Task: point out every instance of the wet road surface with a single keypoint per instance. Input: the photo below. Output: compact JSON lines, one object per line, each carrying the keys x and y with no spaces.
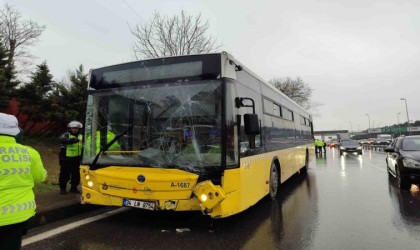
{"x":343,"y":202}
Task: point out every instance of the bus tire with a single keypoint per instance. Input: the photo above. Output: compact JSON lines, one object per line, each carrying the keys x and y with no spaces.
{"x":274,"y":180}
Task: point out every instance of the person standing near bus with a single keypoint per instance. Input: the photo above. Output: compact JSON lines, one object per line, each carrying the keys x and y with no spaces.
{"x":70,"y":156}
{"x":20,"y":169}
{"x":109,"y":137}
{"x":324,"y":145}
{"x":316,"y":146}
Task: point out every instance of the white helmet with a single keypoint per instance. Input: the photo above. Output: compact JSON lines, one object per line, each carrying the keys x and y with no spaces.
{"x":74,"y":124}
{"x":8,"y":124}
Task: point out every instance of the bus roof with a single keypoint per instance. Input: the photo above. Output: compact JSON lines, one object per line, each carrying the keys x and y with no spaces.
{"x":197,"y":67}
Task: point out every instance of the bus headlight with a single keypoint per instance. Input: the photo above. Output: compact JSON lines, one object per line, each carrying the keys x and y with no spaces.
{"x":209,"y":194}
{"x":87,"y":177}
{"x":90,"y":183}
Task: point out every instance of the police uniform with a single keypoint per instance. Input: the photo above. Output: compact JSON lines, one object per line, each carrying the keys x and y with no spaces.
{"x":318,"y":146}
{"x":70,"y":156}
{"x":20,"y":168}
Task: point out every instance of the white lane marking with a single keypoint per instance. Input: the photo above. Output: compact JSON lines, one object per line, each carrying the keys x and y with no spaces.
{"x":381,"y":169}
{"x":70,"y":226}
{"x":372,"y":165}
{"x":369,"y":164}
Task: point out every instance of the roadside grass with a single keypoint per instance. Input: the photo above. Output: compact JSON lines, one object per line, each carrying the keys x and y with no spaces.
{"x":48,"y":148}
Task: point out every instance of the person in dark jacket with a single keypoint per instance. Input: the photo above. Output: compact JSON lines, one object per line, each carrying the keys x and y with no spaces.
{"x":70,"y":156}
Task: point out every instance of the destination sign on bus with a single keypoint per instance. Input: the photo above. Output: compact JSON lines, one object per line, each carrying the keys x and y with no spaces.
{"x":155,"y":72}
{"x":170,"y":69}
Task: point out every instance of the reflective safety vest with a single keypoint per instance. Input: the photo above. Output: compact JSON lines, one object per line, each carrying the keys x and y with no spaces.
{"x":20,"y":168}
{"x":74,"y":149}
{"x":109,"y":137}
{"x":319,"y":143}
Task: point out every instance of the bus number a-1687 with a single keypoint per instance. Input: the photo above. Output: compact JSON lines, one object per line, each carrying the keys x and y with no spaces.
{"x":180,"y":185}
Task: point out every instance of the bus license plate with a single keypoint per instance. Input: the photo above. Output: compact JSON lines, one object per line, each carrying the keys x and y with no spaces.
{"x":139,"y":204}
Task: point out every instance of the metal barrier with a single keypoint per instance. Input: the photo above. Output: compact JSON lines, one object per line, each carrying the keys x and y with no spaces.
{"x":379,"y":148}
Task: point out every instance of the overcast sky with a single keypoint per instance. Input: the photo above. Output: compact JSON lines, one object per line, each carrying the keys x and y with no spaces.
{"x":359,"y":56}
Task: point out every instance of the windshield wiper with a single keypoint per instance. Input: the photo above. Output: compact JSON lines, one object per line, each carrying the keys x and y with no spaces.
{"x":116,"y":138}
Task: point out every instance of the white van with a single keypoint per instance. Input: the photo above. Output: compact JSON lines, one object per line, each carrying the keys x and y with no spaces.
{"x":384,"y":137}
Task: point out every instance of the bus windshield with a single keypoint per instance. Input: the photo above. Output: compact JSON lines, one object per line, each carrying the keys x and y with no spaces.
{"x":171,"y":125}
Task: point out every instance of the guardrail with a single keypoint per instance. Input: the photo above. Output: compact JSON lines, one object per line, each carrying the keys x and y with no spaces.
{"x":380,"y":148}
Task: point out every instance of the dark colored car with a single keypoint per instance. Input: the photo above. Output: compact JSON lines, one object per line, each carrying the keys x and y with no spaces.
{"x":403,"y":160}
{"x":350,"y":146}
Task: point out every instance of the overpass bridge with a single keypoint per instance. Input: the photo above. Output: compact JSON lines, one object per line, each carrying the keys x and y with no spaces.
{"x":328,"y":135}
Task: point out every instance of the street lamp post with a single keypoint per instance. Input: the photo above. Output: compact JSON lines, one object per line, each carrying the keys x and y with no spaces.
{"x":398,"y":119}
{"x":369,"y":123}
{"x":408,"y":119}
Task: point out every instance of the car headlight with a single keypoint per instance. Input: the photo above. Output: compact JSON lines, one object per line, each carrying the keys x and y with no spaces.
{"x":410,"y":163}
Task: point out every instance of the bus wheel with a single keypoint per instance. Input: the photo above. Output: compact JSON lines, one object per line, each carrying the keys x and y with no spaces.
{"x":274,"y":181}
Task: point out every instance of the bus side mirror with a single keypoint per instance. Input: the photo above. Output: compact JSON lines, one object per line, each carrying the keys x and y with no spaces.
{"x":252,"y":126}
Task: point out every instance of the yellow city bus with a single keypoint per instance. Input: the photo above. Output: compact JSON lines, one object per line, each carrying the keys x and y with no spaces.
{"x":189,"y":133}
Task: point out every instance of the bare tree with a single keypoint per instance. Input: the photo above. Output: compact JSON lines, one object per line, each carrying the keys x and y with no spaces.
{"x":17,"y":34}
{"x":297,"y":90}
{"x":170,"y":36}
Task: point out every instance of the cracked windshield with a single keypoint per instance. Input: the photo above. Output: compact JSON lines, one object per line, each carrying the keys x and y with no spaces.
{"x":170,"y":125}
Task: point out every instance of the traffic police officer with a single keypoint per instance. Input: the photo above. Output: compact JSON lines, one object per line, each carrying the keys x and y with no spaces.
{"x":109,"y":137}
{"x":318,"y":146}
{"x":20,"y":168}
{"x":70,"y":155}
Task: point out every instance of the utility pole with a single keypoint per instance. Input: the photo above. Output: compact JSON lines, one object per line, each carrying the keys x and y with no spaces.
{"x":408,"y":119}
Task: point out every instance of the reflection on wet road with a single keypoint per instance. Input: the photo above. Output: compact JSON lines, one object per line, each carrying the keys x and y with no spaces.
{"x":343,"y":202}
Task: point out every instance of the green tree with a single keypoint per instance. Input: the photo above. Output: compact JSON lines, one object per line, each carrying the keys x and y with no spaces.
{"x":297,"y":90}
{"x":70,"y":98}
{"x":8,"y":80}
{"x":34,"y":97}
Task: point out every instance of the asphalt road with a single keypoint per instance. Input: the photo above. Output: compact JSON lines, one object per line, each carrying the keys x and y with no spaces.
{"x":345,"y":202}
